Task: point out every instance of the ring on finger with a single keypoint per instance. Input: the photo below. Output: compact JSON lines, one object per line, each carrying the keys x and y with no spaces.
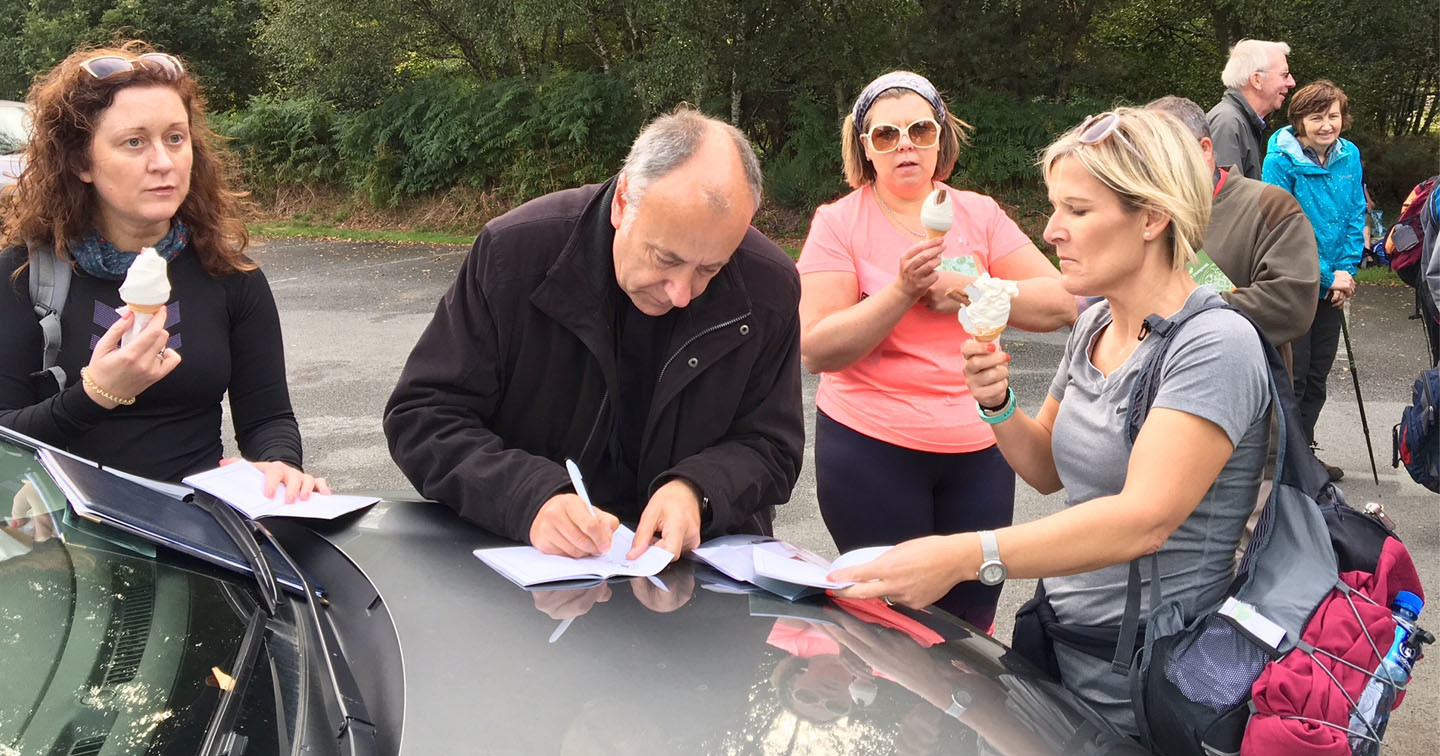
{"x":887,"y":600}
{"x":161,"y":355}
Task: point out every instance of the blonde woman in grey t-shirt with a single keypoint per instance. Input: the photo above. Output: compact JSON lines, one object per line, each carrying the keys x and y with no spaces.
{"x":1131,"y":198}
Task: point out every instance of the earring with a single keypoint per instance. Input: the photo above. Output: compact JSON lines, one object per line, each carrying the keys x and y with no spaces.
{"x":1147,"y":234}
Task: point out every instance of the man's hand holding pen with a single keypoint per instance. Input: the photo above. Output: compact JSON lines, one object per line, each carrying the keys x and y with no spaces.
{"x":567,"y":526}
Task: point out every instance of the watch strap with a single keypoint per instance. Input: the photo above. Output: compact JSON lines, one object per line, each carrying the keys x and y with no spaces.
{"x":989,"y":547}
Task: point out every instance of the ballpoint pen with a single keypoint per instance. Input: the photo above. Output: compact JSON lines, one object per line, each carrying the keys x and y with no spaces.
{"x":579,"y":483}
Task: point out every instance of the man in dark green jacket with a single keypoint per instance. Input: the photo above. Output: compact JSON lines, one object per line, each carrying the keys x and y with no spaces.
{"x":640,"y":327}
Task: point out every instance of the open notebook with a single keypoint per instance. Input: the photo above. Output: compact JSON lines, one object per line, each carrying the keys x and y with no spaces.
{"x":527,"y":565}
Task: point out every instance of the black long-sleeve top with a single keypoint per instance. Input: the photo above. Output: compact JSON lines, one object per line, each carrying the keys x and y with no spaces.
{"x":228,"y":332}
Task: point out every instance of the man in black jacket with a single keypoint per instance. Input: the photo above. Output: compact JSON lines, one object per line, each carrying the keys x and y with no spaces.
{"x":640,"y":327}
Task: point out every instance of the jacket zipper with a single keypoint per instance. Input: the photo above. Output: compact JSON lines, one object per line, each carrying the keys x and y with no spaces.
{"x":692,"y":339}
{"x":604,"y":398}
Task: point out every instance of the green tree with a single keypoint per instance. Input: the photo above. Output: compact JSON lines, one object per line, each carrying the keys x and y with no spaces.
{"x":214,"y":36}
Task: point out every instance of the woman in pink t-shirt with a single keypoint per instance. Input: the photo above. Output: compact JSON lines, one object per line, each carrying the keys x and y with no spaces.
{"x":900,"y":451}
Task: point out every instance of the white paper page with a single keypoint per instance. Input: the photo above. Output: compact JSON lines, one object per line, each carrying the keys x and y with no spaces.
{"x":858,"y":556}
{"x":792,"y":564}
{"x":731,"y":554}
{"x":527,"y":565}
{"x":242,"y":486}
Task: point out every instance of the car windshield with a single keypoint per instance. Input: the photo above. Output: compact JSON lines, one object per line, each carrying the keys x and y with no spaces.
{"x":108,"y":646}
{"x":13,"y":128}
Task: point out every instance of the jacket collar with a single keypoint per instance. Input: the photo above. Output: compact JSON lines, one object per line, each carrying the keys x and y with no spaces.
{"x":579,"y":290}
{"x":1256,"y":122}
{"x":1285,"y":142}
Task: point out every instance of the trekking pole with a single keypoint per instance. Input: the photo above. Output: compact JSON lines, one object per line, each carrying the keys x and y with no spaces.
{"x":1354,"y":376}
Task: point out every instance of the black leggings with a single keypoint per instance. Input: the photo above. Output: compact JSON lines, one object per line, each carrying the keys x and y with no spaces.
{"x":873,"y":493}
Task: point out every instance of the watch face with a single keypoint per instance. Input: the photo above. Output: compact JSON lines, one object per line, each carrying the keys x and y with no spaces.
{"x":992,"y":573}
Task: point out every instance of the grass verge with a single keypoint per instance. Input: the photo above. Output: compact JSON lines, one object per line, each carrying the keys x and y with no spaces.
{"x":315,"y":231}
{"x":1378,"y":275}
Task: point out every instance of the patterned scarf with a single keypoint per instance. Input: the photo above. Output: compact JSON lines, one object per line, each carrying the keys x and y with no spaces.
{"x":101,"y":259}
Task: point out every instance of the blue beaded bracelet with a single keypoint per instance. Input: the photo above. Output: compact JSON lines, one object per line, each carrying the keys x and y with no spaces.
{"x":1003,"y":414}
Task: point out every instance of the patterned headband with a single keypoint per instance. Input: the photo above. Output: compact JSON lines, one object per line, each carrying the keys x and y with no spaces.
{"x":897,"y":80}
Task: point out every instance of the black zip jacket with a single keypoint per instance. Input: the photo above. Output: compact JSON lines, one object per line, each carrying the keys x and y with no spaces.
{"x":516,"y":372}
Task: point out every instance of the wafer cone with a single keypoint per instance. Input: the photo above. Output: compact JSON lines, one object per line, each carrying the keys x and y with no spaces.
{"x":932,"y":234}
{"x":987,"y":335}
{"x":143,"y":313}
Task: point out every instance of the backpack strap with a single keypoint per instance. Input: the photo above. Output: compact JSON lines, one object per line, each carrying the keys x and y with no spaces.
{"x":49,"y":288}
{"x":1125,"y":643}
{"x":1294,"y":464}
{"x":1147,"y":381}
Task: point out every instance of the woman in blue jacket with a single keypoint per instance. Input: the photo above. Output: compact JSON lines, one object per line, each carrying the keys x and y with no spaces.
{"x":1310,"y":160}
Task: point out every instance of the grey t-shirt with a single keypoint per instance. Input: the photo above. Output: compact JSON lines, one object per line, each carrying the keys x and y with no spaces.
{"x":1216,"y":370}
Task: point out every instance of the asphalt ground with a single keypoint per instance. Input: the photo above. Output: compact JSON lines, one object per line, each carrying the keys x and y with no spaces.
{"x":352,"y":311}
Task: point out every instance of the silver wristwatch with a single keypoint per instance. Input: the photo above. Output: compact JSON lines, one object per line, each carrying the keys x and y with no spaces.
{"x":992,"y":570}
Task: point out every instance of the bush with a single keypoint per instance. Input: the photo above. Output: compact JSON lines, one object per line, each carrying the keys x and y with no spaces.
{"x":806,"y":172}
{"x":1394,"y":165}
{"x":1009,"y":136}
{"x":283,"y":141}
{"x":521,"y":137}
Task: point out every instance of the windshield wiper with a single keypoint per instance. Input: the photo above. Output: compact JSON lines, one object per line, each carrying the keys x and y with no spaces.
{"x":220,"y":736}
{"x":354,"y":732}
{"x":242,"y":532}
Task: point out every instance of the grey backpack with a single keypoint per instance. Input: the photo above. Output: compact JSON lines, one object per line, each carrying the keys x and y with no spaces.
{"x":49,"y":286}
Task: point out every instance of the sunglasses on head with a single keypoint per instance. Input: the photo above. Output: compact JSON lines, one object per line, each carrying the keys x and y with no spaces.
{"x":885,"y":137}
{"x":1097,"y":128}
{"x":106,"y":66}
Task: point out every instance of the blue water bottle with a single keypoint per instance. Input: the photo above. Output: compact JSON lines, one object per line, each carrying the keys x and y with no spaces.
{"x":1378,"y":698}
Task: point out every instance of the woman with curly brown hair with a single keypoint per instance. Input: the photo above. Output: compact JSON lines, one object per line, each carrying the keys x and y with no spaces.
{"x":121,"y":159}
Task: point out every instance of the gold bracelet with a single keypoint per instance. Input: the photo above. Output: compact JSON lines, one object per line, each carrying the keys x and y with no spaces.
{"x":93,"y":386}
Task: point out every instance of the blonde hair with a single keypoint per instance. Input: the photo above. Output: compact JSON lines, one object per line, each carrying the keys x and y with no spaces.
{"x":859,"y":171}
{"x":1153,"y":163}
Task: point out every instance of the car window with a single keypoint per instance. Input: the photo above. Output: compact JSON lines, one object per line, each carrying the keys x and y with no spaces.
{"x":14,"y":128}
{"x":109,"y":648}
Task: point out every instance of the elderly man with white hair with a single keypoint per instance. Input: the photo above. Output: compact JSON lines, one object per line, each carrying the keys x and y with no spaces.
{"x":641,"y":328}
{"x":1257,"y":78}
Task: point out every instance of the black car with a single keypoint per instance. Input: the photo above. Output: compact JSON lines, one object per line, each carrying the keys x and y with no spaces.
{"x":401,"y":641}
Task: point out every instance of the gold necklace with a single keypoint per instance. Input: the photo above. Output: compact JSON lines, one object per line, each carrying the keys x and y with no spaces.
{"x":895,"y":219}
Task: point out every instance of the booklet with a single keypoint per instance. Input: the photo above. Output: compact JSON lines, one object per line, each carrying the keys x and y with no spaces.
{"x":793,"y":564}
{"x":526,"y":565}
{"x":782,"y":568}
{"x":242,"y":485}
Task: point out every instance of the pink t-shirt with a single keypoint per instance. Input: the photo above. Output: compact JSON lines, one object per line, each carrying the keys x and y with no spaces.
{"x":910,"y":391}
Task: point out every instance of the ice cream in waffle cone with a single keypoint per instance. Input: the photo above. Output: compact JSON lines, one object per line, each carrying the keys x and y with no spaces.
{"x":937,"y":215}
{"x":988,"y":313}
{"x":146,"y":288}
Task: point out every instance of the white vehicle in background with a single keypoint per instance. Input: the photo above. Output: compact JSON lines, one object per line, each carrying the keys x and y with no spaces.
{"x":14,"y":134}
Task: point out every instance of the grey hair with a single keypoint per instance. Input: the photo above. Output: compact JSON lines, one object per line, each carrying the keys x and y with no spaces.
{"x":1186,"y":111}
{"x":1249,"y":56}
{"x":671,"y":140}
